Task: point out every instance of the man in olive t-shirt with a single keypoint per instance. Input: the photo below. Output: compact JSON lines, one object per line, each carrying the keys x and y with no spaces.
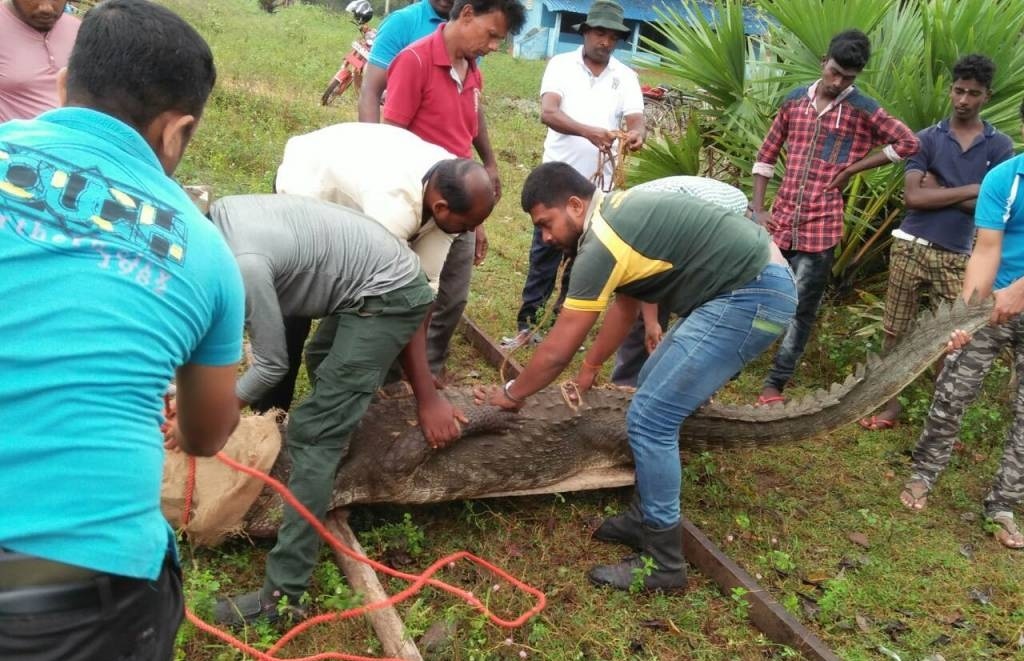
{"x":713,"y":267}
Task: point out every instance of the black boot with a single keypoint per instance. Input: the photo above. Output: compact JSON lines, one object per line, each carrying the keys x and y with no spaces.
{"x":247,"y":609}
{"x":658,"y":567}
{"x":624,"y":528}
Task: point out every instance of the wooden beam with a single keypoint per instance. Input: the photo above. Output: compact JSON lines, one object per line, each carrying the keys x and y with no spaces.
{"x":490,"y":351}
{"x":765,"y":612}
{"x":385,"y":621}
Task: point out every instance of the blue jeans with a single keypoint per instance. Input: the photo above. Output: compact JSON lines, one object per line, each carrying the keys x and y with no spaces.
{"x":540,"y":281}
{"x":812,"y":270}
{"x":696,"y":357}
{"x":632,"y":353}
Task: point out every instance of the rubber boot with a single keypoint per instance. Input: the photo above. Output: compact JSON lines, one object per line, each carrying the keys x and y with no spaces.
{"x":664,"y":548}
{"x":623,"y":528}
{"x":247,"y":609}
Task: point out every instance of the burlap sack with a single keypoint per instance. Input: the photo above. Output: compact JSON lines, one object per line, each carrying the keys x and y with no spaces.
{"x":222,"y":495}
{"x":201,"y":196}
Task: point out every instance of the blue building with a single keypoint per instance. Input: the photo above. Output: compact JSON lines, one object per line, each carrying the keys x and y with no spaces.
{"x":549,"y":25}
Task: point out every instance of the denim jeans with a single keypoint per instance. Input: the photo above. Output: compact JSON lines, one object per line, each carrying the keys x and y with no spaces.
{"x":540,"y":281}
{"x":632,"y":353}
{"x":812,"y":271}
{"x":696,"y":357}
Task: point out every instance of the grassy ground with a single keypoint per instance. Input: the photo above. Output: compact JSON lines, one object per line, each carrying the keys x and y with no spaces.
{"x":915,"y":585}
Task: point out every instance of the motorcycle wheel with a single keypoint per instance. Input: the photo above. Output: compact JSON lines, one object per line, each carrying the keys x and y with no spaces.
{"x":336,"y":88}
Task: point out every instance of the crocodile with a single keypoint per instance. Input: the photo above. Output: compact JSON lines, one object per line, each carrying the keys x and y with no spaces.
{"x":550,"y":446}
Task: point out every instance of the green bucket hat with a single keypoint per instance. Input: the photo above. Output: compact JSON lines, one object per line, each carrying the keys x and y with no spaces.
{"x":605,"y":14}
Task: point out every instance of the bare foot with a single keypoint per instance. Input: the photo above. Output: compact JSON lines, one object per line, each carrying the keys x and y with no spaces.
{"x":915,"y":495}
{"x":1009,"y":535}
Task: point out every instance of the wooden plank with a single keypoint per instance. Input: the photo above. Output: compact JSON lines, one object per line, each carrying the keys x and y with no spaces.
{"x":490,"y":351}
{"x":593,"y":478}
{"x":385,"y":621}
{"x":765,"y":612}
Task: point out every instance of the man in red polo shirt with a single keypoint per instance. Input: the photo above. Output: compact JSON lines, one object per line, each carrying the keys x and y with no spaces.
{"x":434,"y":89}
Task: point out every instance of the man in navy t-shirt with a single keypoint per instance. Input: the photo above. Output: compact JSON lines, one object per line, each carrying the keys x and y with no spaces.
{"x":112,"y":284}
{"x":931,"y":246}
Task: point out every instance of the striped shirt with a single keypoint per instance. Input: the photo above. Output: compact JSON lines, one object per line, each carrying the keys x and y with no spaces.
{"x":702,"y":188}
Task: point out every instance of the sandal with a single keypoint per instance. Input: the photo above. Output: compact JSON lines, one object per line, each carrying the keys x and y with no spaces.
{"x":770,"y":399}
{"x":874,"y":423}
{"x":1008,"y":534}
{"x":915,"y":495}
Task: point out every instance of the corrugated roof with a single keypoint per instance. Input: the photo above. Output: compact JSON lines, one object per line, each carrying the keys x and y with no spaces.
{"x":647,"y":10}
{"x":636,"y":10}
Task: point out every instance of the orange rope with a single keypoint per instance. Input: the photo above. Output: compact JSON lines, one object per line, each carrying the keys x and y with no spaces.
{"x":418,"y":581}
{"x":190,"y":480}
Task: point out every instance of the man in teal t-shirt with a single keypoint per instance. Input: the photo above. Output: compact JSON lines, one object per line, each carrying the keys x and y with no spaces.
{"x":996,"y":267}
{"x":112,"y":284}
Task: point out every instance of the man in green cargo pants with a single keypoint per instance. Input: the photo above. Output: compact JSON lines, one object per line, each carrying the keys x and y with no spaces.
{"x":301,"y":257}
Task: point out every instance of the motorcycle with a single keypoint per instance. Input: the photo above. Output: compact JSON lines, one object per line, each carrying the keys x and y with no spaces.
{"x":352,"y":66}
{"x":79,"y":7}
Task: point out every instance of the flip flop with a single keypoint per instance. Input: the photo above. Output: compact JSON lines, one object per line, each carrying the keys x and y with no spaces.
{"x":1009,"y":535}
{"x":917,"y":495}
{"x":874,"y":423}
{"x":771,"y":399}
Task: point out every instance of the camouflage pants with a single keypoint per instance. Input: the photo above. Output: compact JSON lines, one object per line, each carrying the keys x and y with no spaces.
{"x":958,"y":386}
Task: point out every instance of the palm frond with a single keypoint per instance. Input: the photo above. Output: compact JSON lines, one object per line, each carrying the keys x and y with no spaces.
{"x":710,"y":54}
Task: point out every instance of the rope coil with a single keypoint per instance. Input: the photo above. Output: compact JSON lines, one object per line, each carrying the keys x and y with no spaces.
{"x":617,"y":161}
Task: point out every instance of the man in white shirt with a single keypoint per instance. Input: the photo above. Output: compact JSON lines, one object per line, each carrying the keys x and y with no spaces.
{"x":585,"y":95}
{"x":418,"y":191}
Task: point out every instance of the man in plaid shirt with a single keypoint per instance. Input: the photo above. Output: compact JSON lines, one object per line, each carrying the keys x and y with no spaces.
{"x":828,"y":129}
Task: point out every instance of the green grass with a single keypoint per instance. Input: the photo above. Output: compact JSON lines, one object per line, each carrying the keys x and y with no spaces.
{"x":783,"y":513}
